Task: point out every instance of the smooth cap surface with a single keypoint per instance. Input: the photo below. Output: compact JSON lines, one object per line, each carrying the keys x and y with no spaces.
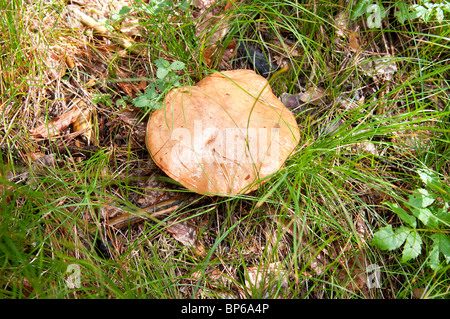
{"x":221,"y":136}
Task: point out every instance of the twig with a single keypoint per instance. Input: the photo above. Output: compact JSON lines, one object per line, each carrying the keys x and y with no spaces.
{"x":103,"y":31}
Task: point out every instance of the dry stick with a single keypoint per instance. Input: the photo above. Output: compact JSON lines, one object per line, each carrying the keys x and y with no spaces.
{"x":103,"y":31}
{"x":149,"y":212}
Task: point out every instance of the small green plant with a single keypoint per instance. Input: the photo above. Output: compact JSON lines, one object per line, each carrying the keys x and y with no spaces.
{"x":374,"y":10}
{"x":102,"y":98}
{"x":166,"y":79}
{"x":434,"y":219}
{"x":116,"y":18}
{"x":425,"y":10}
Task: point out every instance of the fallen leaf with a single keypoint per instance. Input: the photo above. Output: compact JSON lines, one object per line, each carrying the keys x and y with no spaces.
{"x":361,"y":227}
{"x":84,"y":123}
{"x":314,"y":95}
{"x":183,"y":232}
{"x":69,"y":62}
{"x":366,"y":147}
{"x":108,"y":212}
{"x":353,"y":274}
{"x":229,"y":52}
{"x":58,"y":124}
{"x":297,"y":102}
{"x":263,"y":275}
{"x":211,"y":27}
{"x":378,"y":68}
{"x":204,"y":4}
{"x":354,"y":42}
{"x":55,"y":66}
{"x":187,"y":235}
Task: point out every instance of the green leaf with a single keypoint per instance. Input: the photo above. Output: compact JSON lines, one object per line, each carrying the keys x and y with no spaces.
{"x":184,"y":6}
{"x":410,"y":220}
{"x":121,"y":102}
{"x":162,"y":64}
{"x":442,"y":241}
{"x":421,"y":199}
{"x":177,"y":66}
{"x":425,"y":216}
{"x":433,"y":260}
{"x":419,"y":11}
{"x":439,"y":15}
{"x":150,"y":92}
{"x":402,"y":12}
{"x":385,"y":238}
{"x":430,"y":179}
{"x":141,"y":101}
{"x":124,"y":10}
{"x":161,"y":73}
{"x":153,"y":105}
{"x":360,"y":8}
{"x":413,"y":246}
{"x":443,"y":214}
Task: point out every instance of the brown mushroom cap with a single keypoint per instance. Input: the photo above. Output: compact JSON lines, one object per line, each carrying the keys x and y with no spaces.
{"x":222,"y":135}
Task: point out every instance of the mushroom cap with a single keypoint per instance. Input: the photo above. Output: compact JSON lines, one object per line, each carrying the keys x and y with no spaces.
{"x":223,"y":135}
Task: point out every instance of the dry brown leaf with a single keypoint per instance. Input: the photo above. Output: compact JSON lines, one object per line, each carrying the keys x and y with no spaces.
{"x":366,"y":147}
{"x":354,"y":42}
{"x":204,"y":4}
{"x":211,"y":27}
{"x":55,"y":66}
{"x":83,"y":124}
{"x":314,"y":95}
{"x":361,"y":227}
{"x":286,"y":48}
{"x":131,"y":28}
{"x":58,"y":124}
{"x":379,"y":68}
{"x":108,"y":212}
{"x":183,"y":232}
{"x":262,"y":275}
{"x":229,"y":52}
{"x":210,"y":22}
{"x":187,"y":235}
{"x":353,"y":274}
{"x":69,"y":62}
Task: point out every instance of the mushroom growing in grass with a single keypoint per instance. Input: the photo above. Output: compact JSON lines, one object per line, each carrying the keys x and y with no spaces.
{"x":224,"y":135}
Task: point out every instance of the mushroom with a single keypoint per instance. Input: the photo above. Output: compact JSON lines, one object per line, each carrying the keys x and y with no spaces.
{"x":223,"y":135}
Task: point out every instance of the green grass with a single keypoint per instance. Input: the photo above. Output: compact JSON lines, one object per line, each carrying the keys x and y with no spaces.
{"x":315,"y":217}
